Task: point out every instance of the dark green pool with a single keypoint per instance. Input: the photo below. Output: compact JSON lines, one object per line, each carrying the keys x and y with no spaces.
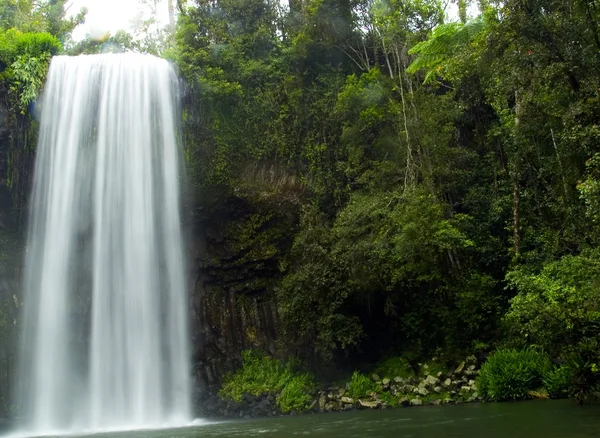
{"x":547,"y":419}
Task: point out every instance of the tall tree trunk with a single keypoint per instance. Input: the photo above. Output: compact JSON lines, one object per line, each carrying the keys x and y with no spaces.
{"x":409,"y":176}
{"x":515,"y":177}
{"x":462,"y":11}
{"x":171,"y":17}
{"x":516,"y":219}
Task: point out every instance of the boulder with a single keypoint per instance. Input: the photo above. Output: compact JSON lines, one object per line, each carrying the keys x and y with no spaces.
{"x":422,"y":391}
{"x":437,"y":389}
{"x":322,"y":402}
{"x":447,"y":382}
{"x":369,"y":404}
{"x":460,"y":368}
{"x":431,"y":381}
{"x":416,"y":402}
{"x":404,"y":401}
{"x":249,"y":398}
{"x":386,"y":382}
{"x":398,"y":380}
{"x":375,"y":378}
{"x":471,"y":360}
{"x":347,"y":400}
{"x":213,"y":403}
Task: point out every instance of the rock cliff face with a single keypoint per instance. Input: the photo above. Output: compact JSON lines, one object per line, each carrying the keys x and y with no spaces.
{"x":236,"y":253}
{"x":16,"y":163}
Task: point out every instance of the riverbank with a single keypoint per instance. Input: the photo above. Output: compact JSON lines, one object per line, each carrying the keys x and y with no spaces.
{"x":359,"y":393}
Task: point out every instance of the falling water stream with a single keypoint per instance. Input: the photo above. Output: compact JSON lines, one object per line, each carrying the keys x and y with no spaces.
{"x":104,"y":335}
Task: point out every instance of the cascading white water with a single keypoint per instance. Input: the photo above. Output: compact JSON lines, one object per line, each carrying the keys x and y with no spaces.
{"x":105,"y":331}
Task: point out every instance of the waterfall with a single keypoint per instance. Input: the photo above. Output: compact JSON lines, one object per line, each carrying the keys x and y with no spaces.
{"x":104,"y":327}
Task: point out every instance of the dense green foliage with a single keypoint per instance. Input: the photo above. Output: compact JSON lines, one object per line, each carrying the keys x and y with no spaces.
{"x":415,"y":212}
{"x":511,"y":374}
{"x":260,"y":374}
{"x":413,"y":187}
{"x":558,"y":381}
{"x":360,"y":385}
{"x":557,"y":307}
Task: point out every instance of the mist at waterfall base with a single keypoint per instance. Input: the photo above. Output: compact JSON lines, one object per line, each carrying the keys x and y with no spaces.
{"x":104,"y":326}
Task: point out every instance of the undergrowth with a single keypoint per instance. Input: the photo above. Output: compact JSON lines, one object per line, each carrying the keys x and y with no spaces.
{"x":511,"y":374}
{"x":360,"y":385}
{"x":261,"y":374}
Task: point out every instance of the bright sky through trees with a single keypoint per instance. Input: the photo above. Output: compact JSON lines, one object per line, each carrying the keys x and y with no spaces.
{"x":111,"y":15}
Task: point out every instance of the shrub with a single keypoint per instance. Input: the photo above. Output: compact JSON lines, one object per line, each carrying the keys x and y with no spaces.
{"x":258,"y":374}
{"x":511,"y":374}
{"x":295,"y":394}
{"x":558,"y":381}
{"x":391,"y":400}
{"x":584,"y":362}
{"x":360,"y":385}
{"x":261,"y":374}
{"x":558,"y":306}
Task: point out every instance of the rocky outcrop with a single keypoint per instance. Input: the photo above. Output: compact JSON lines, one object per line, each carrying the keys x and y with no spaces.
{"x":235,"y":251}
{"x":456,"y":387}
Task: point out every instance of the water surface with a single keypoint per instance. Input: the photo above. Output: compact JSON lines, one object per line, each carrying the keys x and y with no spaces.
{"x":548,"y":419}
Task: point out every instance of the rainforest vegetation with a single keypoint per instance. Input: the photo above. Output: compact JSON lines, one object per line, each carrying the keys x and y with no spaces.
{"x":393,"y":183}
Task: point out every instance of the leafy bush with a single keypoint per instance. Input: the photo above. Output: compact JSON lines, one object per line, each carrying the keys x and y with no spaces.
{"x":584,"y":363}
{"x":511,"y":374}
{"x":24,"y":60}
{"x":261,"y":374}
{"x":360,"y":385}
{"x":558,"y":381}
{"x":391,"y":400}
{"x":556,"y":308}
{"x":295,"y":394}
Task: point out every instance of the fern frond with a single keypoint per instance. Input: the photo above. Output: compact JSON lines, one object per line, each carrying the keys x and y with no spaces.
{"x":441,"y":44}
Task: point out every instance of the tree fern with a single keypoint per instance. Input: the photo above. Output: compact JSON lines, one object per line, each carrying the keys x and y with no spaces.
{"x":442,"y":44}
